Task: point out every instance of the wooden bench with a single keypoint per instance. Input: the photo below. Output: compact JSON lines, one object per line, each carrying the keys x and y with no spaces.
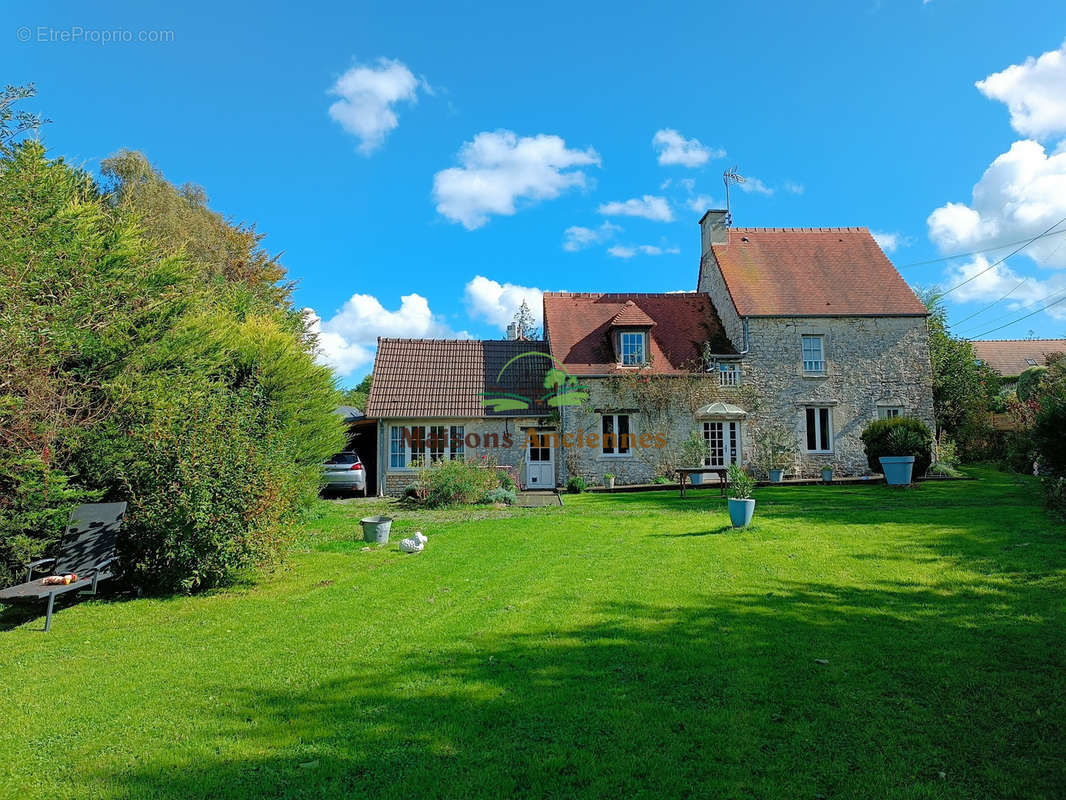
{"x":722,"y":473}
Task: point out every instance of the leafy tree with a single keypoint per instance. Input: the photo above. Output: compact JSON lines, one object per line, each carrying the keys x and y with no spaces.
{"x":360,"y":394}
{"x":963,"y":389}
{"x":525,"y":323}
{"x":14,"y":122}
{"x":1030,"y":382}
{"x":152,"y":355}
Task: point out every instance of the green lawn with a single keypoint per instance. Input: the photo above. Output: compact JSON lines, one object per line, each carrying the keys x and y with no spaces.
{"x":856,"y":642}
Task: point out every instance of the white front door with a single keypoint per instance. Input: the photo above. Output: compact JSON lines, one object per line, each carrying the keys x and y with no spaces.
{"x":540,"y":462}
{"x":723,"y":443}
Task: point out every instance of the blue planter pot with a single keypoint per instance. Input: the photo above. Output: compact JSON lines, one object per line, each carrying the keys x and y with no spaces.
{"x":740,"y":512}
{"x":776,"y":475}
{"x":897,"y":469}
{"x":695,"y":478}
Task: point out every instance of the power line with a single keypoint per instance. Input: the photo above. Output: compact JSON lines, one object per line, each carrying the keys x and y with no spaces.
{"x":1031,"y":313}
{"x":994,"y":302}
{"x":1043,"y":299}
{"x":997,"y":263}
{"x":972,"y":253}
{"x":1013,"y":289}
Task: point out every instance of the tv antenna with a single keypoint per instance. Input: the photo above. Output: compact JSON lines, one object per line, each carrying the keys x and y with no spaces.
{"x":730,"y":176}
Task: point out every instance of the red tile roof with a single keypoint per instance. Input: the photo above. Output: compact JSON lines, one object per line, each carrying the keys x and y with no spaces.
{"x":578,"y":326}
{"x":812,"y":272}
{"x":632,"y":316}
{"x":445,"y":377}
{"x":1010,"y":357}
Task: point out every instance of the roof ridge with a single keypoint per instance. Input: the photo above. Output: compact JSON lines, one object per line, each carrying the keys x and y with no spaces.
{"x":619,"y":295}
{"x":1018,"y":341}
{"x":843,"y":229}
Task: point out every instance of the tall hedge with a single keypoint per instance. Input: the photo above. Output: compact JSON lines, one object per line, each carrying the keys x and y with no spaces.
{"x":142,"y":366}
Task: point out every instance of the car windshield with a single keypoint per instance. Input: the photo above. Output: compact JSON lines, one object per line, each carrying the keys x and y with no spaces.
{"x":344,"y":458}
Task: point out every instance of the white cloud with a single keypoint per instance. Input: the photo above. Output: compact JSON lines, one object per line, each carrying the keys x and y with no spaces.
{"x":498,"y":169}
{"x":700,"y":203}
{"x":794,"y":188}
{"x":889,"y":241}
{"x":347,"y":340}
{"x":497,"y":302}
{"x":367,"y":97}
{"x":1022,"y":193}
{"x":673,"y":148}
{"x":755,"y":186}
{"x":649,"y":206}
{"x":629,"y":251}
{"x":577,"y":237}
{"x":1035,"y":93}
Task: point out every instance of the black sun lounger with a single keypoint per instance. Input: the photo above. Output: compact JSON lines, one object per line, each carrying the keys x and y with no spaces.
{"x":88,"y":550}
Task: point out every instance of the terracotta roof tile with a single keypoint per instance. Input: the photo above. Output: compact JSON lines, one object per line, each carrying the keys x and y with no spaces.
{"x":812,"y":272}
{"x":1010,"y":357}
{"x":632,"y":316}
{"x":445,"y":377}
{"x":578,"y":328}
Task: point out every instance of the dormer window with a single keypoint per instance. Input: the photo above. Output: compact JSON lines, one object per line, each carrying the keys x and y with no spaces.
{"x":633,"y":348}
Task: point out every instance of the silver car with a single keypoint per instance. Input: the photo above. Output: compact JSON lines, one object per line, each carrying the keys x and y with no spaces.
{"x":345,"y":472}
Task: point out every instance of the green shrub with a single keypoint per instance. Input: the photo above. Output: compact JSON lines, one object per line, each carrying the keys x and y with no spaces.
{"x":414,"y":491}
{"x":1049,"y":434}
{"x":899,"y":436}
{"x":661,"y":479}
{"x":575,"y":484}
{"x":1031,"y":382}
{"x":449,"y":483}
{"x":506,"y":481}
{"x":501,"y":495}
{"x":741,"y":484}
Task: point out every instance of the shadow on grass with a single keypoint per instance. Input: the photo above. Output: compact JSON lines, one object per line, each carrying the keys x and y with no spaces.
{"x":712,"y":532}
{"x":892,"y":690}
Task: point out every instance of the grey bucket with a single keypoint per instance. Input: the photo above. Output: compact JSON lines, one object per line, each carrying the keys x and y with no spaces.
{"x":376,"y":529}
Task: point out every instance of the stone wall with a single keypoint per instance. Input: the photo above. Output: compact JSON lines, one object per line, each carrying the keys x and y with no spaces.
{"x":870,"y":362}
{"x":642,"y":464}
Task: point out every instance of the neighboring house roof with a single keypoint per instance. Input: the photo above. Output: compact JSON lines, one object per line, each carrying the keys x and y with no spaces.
{"x":773,"y":272}
{"x":1010,"y":357}
{"x":446,"y":377}
{"x":350,"y":413}
{"x":578,"y":327}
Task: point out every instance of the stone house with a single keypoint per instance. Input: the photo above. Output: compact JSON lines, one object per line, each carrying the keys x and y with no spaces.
{"x":809,"y":331}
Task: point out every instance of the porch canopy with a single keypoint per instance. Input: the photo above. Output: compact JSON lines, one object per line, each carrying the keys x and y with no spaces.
{"x":721,"y":411}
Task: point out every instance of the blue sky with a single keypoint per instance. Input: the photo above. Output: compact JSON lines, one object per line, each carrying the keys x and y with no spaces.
{"x":412,"y":160}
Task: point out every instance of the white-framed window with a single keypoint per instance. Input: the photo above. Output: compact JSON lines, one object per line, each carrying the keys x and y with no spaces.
{"x":1031,"y":362}
{"x":729,"y":374}
{"x":397,"y":449}
{"x":813,"y":353}
{"x":457,"y":442}
{"x":888,"y":412}
{"x":616,"y":438}
{"x":632,"y":347}
{"x":819,"y":425}
{"x":723,"y":443}
{"x":412,"y":446}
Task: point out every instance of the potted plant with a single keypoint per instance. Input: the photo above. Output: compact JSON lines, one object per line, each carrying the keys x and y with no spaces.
{"x":608,"y":480}
{"x":694,"y":454}
{"x":901,"y":447}
{"x":827,"y":474}
{"x":775,"y":450}
{"x":898,"y":464}
{"x":741,"y":503}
